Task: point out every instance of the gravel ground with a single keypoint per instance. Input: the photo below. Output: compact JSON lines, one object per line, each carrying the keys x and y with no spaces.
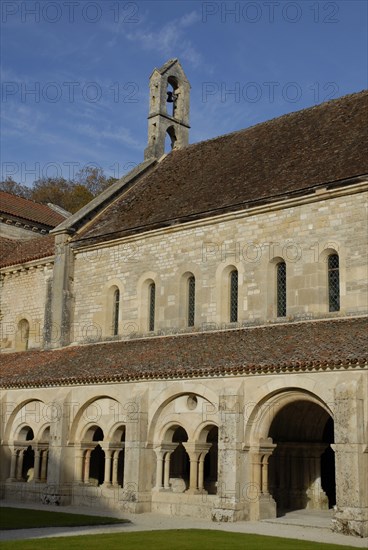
{"x":304,"y":525}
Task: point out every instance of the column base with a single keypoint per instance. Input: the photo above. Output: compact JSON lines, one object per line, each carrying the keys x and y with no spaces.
{"x":267,"y":507}
{"x":351,"y":521}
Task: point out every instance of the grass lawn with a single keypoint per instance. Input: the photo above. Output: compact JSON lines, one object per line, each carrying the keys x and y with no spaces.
{"x":24,"y":518}
{"x":189,"y":539}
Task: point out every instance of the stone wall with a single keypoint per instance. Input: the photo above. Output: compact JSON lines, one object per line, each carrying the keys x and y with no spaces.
{"x":24,"y":297}
{"x":301,"y":235}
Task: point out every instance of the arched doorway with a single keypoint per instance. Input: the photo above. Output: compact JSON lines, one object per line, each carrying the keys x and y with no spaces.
{"x":302,"y":466}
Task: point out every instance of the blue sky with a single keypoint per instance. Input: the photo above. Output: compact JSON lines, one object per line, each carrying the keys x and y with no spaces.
{"x":75,"y":73}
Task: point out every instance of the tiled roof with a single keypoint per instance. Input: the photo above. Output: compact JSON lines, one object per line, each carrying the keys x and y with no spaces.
{"x":31,"y":211}
{"x":289,"y":347}
{"x":14,"y":252}
{"x":273,"y":160}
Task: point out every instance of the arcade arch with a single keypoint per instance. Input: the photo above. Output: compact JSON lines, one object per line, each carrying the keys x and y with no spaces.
{"x":100,"y":455}
{"x":292,"y":459}
{"x":186,"y":452}
{"x":28,"y":443}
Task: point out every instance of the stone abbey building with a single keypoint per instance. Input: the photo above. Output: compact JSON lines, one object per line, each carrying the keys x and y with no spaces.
{"x":194,"y":340}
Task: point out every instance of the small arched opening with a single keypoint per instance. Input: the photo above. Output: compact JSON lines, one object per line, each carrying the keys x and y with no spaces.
{"x":96,"y":455}
{"x":170,"y":139}
{"x":179,"y":462}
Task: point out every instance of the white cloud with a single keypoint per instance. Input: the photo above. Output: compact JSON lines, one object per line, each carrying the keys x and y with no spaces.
{"x":170,"y":39}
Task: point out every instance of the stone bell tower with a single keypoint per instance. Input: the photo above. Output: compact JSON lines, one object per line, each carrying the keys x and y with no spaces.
{"x":169,"y":109}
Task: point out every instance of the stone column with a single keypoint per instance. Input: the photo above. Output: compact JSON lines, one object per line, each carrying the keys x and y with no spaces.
{"x":13,"y":465}
{"x":86,"y":465}
{"x":167,"y":470}
{"x":267,"y":505}
{"x":79,"y":466}
{"x":193,"y":467}
{"x":20,"y":464}
{"x":159,"y":468}
{"x":265,"y":460}
{"x":257,"y":473}
{"x":195,"y":450}
{"x":107,"y":474}
{"x":115,"y":464}
{"x":201,"y":470}
{"x":36,"y":467}
{"x":44,"y":463}
{"x":163,"y":453}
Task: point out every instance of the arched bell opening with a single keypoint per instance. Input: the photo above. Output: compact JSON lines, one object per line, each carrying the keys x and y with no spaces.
{"x":301,"y":467}
{"x":170,"y":139}
{"x":172,"y":96}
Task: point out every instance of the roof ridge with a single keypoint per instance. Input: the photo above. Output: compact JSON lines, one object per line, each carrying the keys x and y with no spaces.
{"x":273,"y":120}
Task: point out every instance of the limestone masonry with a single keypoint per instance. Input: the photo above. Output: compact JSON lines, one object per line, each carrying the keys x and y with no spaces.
{"x":194,"y":340}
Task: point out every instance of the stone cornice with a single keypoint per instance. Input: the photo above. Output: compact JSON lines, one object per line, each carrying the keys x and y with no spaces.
{"x":182,"y":374}
{"x":48,"y":261}
{"x":320,"y":194}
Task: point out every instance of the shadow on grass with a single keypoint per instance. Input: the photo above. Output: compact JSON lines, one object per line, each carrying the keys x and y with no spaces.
{"x":24,"y":518}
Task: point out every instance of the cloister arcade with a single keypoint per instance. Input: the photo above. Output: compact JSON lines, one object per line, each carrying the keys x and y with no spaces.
{"x":188,"y":446}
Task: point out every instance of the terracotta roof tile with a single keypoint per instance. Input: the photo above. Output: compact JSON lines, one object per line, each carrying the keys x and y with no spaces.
{"x":26,"y":209}
{"x":287,"y":155}
{"x":14,"y":252}
{"x":328,"y":344}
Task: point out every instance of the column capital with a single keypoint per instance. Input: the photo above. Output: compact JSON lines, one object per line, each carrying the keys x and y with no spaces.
{"x":164,"y":448}
{"x":196,"y":448}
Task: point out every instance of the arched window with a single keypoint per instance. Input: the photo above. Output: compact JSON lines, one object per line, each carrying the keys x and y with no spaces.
{"x":234,"y":296}
{"x":115,"y":312}
{"x":191,"y":301}
{"x":151,"y":306}
{"x":333,"y":282}
{"x":281,"y":289}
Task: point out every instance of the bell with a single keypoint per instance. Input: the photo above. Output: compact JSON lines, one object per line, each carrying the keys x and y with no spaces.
{"x":170,"y":97}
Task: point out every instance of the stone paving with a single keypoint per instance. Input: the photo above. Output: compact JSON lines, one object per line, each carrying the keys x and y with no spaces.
{"x":304,"y":525}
